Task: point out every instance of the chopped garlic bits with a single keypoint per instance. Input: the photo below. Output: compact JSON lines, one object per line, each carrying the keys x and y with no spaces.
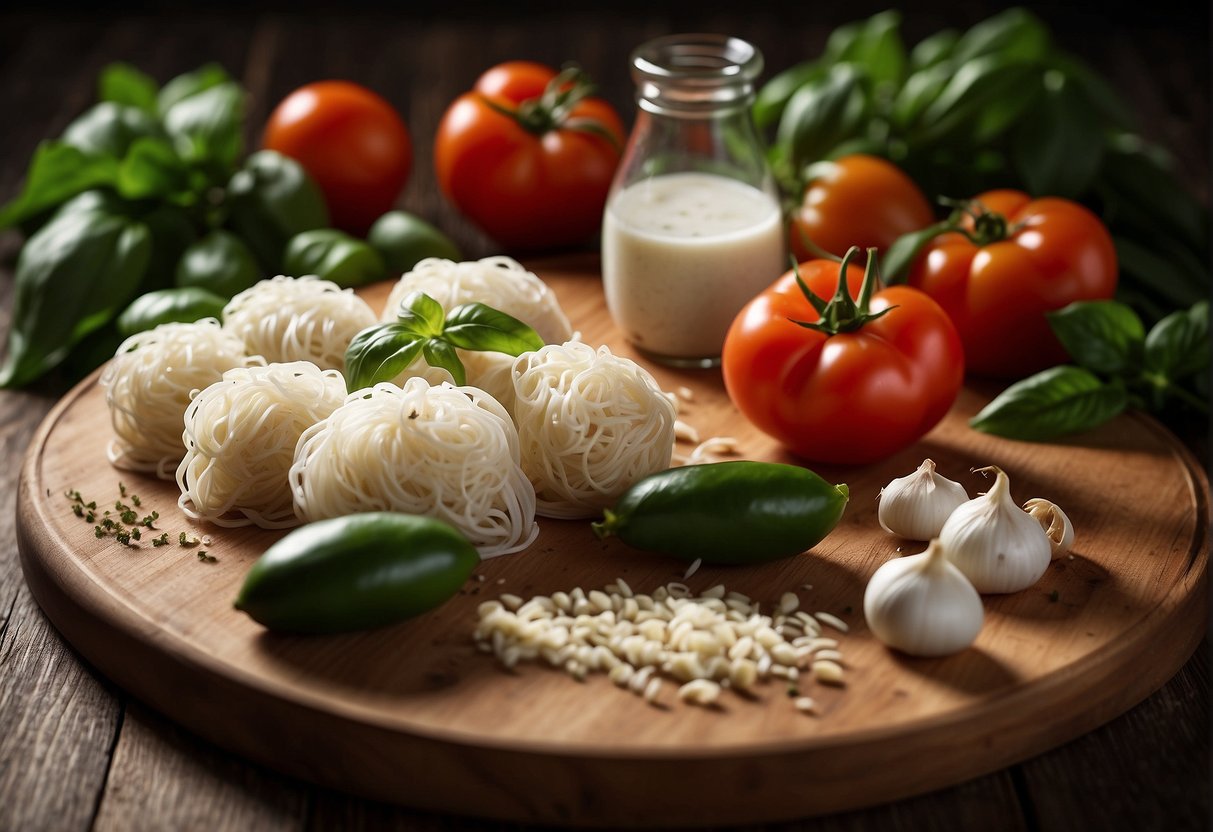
{"x":705,"y":643}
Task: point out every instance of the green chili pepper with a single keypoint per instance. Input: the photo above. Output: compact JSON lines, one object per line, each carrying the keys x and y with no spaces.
{"x":404,"y":240}
{"x":72,"y":277}
{"x":270,"y":201}
{"x":220,"y":263}
{"x":333,"y":255}
{"x":727,"y":512}
{"x":356,"y":572}
{"x":191,"y":303}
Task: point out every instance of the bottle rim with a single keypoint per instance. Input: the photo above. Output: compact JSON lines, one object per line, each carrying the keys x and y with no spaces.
{"x":699,"y":59}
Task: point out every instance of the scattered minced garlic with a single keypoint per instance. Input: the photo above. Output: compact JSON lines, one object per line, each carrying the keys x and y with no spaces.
{"x":715,"y":640}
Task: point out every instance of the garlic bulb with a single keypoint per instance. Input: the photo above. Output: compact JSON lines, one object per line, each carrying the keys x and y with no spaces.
{"x":1053,"y":520}
{"x":916,"y":506}
{"x":998,"y":546}
{"x":923,"y":605}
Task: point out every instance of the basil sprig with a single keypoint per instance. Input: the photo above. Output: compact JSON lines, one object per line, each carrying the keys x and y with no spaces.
{"x":1119,"y":365}
{"x":995,"y":106}
{"x":422,"y":328}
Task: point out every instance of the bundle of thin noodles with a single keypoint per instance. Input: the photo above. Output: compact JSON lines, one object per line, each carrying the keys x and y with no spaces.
{"x":590,"y":425}
{"x":148,"y":386}
{"x":443,"y":451}
{"x":240,"y":437}
{"x":298,"y":319}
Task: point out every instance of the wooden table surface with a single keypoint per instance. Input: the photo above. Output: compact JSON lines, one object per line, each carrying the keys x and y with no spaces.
{"x":77,"y":753}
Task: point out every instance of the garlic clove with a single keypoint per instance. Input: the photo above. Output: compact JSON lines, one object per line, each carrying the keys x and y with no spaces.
{"x":1056,"y":524}
{"x":923,"y":605}
{"x":999,"y":547}
{"x":917,"y":505}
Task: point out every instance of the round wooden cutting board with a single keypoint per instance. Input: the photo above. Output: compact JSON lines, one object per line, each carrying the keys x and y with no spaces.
{"x":414,"y":714}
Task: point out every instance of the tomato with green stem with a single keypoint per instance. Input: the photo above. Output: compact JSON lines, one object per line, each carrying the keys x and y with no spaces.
{"x":850,"y":380}
{"x":528,"y":155}
{"x":857,"y":200}
{"x":1000,"y":262}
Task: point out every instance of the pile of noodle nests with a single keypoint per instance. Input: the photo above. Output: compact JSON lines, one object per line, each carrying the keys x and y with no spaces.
{"x":253,"y":416}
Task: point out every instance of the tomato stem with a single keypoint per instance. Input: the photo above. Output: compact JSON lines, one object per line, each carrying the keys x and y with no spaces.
{"x":842,"y":313}
{"x":551,"y":110}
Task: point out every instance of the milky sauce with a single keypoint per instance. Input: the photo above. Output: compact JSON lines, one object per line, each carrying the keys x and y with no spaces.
{"x":681,"y":254}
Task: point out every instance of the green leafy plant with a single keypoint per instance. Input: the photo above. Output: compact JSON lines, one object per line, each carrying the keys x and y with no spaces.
{"x":422,"y":329}
{"x":1117,"y":365}
{"x":999,"y":105}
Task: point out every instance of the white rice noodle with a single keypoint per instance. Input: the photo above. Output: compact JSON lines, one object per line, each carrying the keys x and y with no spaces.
{"x":499,"y":282}
{"x":446,"y":452}
{"x":148,"y":386}
{"x":298,"y":319}
{"x":590,"y":425}
{"x":240,"y":437}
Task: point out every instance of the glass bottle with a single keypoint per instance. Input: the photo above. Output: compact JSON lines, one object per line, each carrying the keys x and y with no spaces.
{"x":692,"y":228}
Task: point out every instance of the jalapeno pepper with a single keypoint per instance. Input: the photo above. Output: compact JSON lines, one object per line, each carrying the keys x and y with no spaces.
{"x":356,"y":572}
{"x":727,"y":512}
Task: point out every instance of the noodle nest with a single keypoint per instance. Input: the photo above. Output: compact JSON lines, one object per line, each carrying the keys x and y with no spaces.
{"x":499,"y":282}
{"x":240,"y":437}
{"x":298,"y":319}
{"x":590,"y":425}
{"x":148,"y":386}
{"x":446,"y":452}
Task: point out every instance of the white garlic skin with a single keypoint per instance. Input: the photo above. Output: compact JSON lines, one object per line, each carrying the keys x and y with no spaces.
{"x":917,"y":505}
{"x":1054,"y":521}
{"x":923,"y":605}
{"x":999,"y":547}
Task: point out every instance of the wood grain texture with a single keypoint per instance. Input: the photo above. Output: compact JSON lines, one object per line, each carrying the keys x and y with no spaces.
{"x":350,"y":712}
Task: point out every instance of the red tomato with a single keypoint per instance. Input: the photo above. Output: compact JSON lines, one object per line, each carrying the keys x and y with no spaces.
{"x":853,"y":397}
{"x":351,"y":142}
{"x":1032,"y":256}
{"x":531,"y":172}
{"x":860,"y":201}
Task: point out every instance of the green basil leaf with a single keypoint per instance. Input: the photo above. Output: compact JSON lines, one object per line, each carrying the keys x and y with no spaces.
{"x":822,"y":114}
{"x":934,"y":49}
{"x":1059,"y":149}
{"x":219,"y":263}
{"x":1102,"y":335}
{"x":421,"y":314}
{"x":109,"y":129}
{"x":877,"y":49}
{"x":206,"y":127}
{"x":1148,"y":196}
{"x":774,"y":95}
{"x":190,"y":83}
{"x":1054,"y":402}
{"x":71,"y":278}
{"x":905,"y":249}
{"x":151,"y":170}
{"x":380,"y":353}
{"x":474,"y":326}
{"x":1015,"y":34}
{"x":992,"y":83}
{"x":172,"y":233}
{"x":333,"y":255}
{"x":269,"y":201}
{"x":1159,"y":276}
{"x":1110,"y":107}
{"x":1178,"y":345}
{"x":57,"y":173}
{"x":123,"y":84}
{"x":919,"y":91}
{"x":169,"y":306}
{"x":441,"y":354}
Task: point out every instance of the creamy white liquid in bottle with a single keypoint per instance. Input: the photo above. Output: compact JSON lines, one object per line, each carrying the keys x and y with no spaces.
{"x":681,"y":254}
